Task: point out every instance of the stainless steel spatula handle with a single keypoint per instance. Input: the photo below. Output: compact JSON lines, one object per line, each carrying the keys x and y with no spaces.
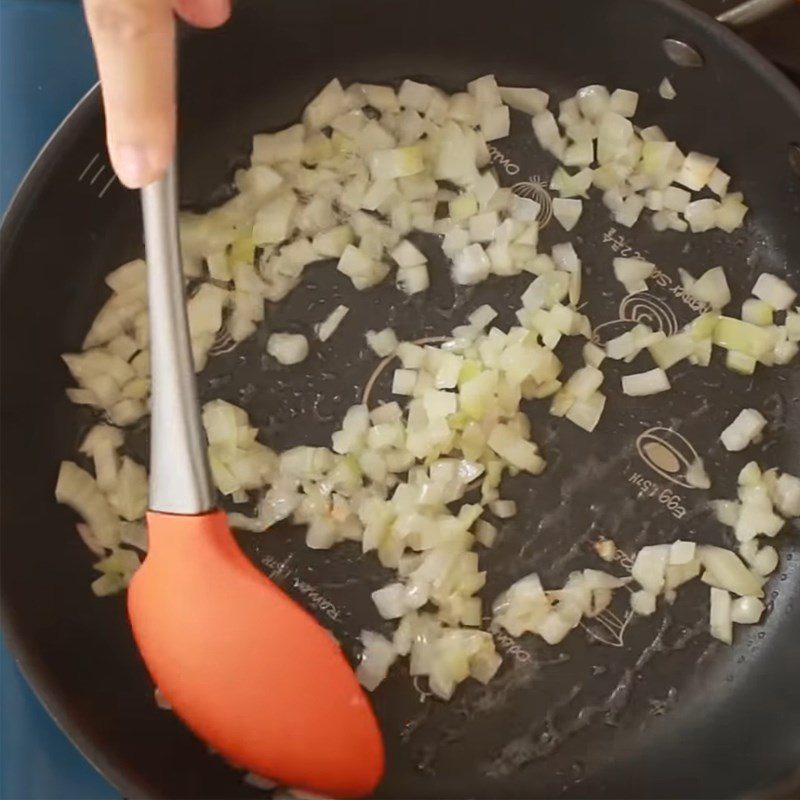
{"x":179,"y":479}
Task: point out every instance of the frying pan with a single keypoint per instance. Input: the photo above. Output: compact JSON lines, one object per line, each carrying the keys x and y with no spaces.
{"x":644,"y":708}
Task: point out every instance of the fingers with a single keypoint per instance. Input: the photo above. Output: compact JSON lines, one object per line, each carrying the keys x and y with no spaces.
{"x":134,"y":46}
{"x":203,"y":13}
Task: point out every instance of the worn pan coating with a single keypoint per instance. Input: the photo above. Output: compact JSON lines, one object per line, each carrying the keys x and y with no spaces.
{"x":655,"y":710}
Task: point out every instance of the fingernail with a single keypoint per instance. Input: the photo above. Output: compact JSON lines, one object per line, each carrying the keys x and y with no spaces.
{"x":132,"y":164}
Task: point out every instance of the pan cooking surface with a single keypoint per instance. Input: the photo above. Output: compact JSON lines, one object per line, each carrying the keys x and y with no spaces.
{"x":620,"y":676}
{"x":651,"y":706}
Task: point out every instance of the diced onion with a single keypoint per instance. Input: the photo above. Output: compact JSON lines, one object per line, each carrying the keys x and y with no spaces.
{"x":633,"y":273}
{"x":288,"y":348}
{"x":382,"y":343}
{"x":567,"y":211}
{"x":720,"y":617}
{"x":746,"y":610}
{"x":644,"y":383}
{"x":643,"y":603}
{"x":404,"y":381}
{"x":376,"y":659}
{"x":666,"y":90}
{"x":361,"y":179}
{"x":774,"y":291}
{"x":328,"y":326}
{"x":531,"y":101}
{"x":650,"y":567}
{"x":747,"y":426}
{"x":696,"y":171}
{"x":726,"y":570}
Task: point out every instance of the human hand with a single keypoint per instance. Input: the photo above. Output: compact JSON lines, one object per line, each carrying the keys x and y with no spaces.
{"x":134,"y":43}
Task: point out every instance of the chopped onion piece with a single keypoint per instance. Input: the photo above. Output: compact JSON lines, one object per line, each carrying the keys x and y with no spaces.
{"x":392,"y":601}
{"x":382,"y":343}
{"x":643,"y":603}
{"x":730,"y":213}
{"x":485,"y":91}
{"x":404,"y":381}
{"x":669,"y":351}
{"x":697,"y":476}
{"x":485,"y":533}
{"x":696,"y":171}
{"x":503,"y":509}
{"x":328,"y":326}
{"x":725,"y":570}
{"x":726,"y":511}
{"x":733,"y":334}
{"x":718,"y":182}
{"x":399,"y":162}
{"x":415,"y":95}
{"x":406,"y":255}
{"x":746,"y":428}
{"x":774,"y":291}
{"x":624,"y":102}
{"x":332,"y":243}
{"x":746,"y":610}
{"x":681,"y":552}
{"x":711,"y":287}
{"x":675,"y":199}
{"x":740,"y":362}
{"x":412,"y":280}
{"x":666,"y":89}
{"x":622,"y":346}
{"x":495,"y":123}
{"x":101,"y":444}
{"x":516,"y":450}
{"x":630,"y":210}
{"x":547,"y":133}
{"x":633,"y":273}
{"x":378,"y":656}
{"x":786,"y":495}
{"x":594,"y":101}
{"x":720,"y":616}
{"x":362,"y":270}
{"x":530,"y":101}
{"x":471,"y":265}
{"x":579,"y":154}
{"x":288,"y":348}
{"x":586,"y":412}
{"x":765,"y":562}
{"x":567,"y":211}
{"x":593,"y":355}
{"x":701,"y":215}
{"x":644,"y":383}
{"x":77,"y":489}
{"x":650,"y":566}
{"x":757,"y":312}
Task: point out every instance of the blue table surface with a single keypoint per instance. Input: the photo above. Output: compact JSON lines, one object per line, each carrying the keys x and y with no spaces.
{"x":46,"y":65}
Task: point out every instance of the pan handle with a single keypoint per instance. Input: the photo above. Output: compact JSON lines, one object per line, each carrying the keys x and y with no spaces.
{"x":751,"y":11}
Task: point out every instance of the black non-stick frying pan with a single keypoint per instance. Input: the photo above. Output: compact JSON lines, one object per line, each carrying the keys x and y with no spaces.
{"x":652,"y":709}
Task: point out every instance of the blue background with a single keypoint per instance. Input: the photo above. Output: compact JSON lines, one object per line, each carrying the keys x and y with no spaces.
{"x":46,"y":65}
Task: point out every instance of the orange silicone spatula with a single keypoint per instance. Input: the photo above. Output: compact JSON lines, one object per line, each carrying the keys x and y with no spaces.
{"x":244,"y":666}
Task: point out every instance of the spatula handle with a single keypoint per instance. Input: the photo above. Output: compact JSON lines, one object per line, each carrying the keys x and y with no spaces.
{"x":179,"y":478}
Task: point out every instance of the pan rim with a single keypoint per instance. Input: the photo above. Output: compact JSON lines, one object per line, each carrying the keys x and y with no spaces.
{"x":24,"y":198}
{"x":21,"y":649}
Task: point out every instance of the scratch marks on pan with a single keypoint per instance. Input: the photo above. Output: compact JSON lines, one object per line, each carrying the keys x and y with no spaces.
{"x":88,"y":167}
{"x":565,"y":718}
{"x":94,"y":170}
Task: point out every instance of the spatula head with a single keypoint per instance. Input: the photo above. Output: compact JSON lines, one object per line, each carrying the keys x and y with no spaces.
{"x":245,"y":667}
